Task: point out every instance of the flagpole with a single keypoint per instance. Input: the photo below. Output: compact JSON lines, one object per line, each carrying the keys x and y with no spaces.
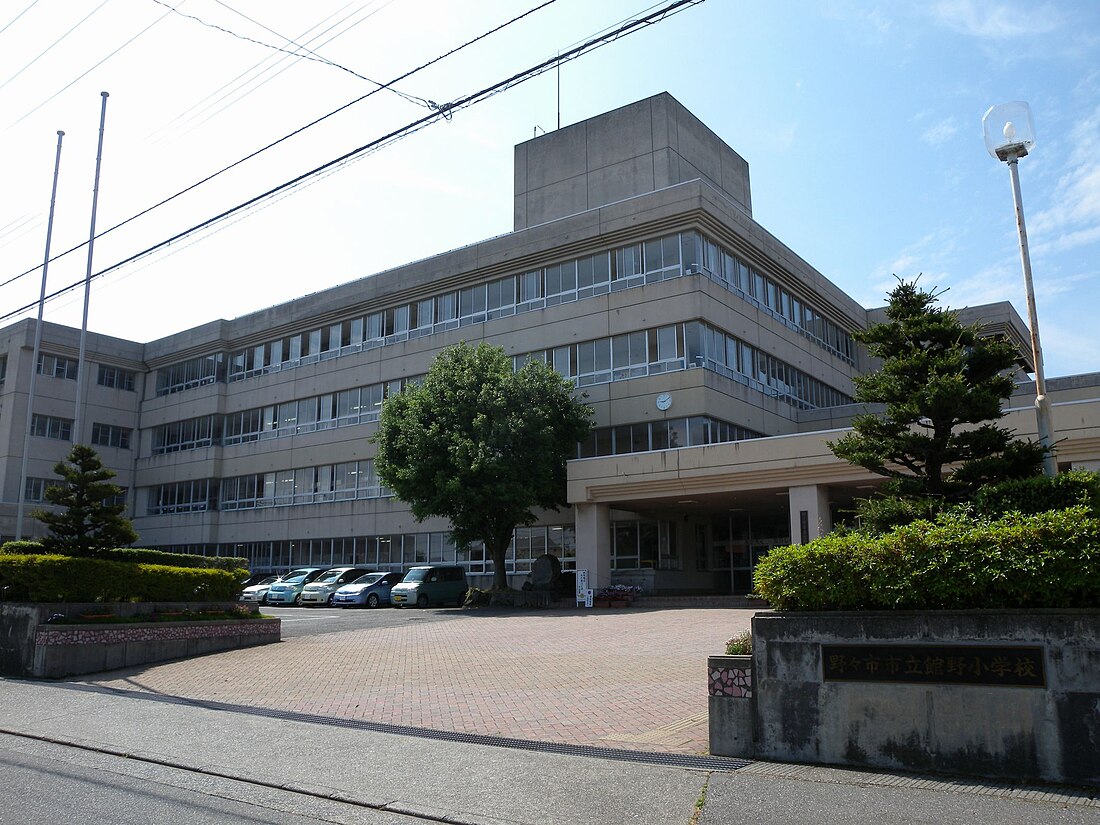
{"x":37,"y":347}
{"x":78,"y":433}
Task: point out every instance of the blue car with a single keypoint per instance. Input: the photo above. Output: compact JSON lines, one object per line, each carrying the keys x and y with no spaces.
{"x":370,"y":590}
{"x":288,"y":590}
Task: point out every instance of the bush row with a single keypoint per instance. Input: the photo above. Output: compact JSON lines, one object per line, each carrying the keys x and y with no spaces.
{"x":44,"y":578}
{"x":1047,"y":560}
{"x":136,"y":555}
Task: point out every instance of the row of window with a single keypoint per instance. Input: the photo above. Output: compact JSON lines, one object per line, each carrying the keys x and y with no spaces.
{"x":357,"y":405}
{"x":617,"y":358}
{"x":59,"y":366}
{"x":680,"y":346}
{"x":685,"y":253}
{"x":35,"y":491}
{"x":398,"y":552}
{"x":304,"y":485}
{"x":103,"y":435}
{"x":695,"y":431}
{"x":281,"y":488}
{"x":723,"y":267}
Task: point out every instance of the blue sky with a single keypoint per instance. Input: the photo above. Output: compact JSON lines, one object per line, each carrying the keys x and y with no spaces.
{"x":861,"y":123}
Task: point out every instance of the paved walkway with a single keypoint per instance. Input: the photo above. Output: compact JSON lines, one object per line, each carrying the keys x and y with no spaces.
{"x":633,"y":679}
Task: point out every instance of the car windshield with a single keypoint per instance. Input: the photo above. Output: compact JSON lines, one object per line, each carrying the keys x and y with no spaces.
{"x":417,"y":574}
{"x":296,"y":578}
{"x":370,"y":578}
{"x":330,"y":576}
{"x":268,"y":580}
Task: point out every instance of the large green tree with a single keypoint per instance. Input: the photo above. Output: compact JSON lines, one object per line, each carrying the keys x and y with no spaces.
{"x":481,"y":444}
{"x":943,"y":385}
{"x":87,"y":522}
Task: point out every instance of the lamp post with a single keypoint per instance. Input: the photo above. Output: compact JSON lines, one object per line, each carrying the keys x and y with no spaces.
{"x":1009,"y":134}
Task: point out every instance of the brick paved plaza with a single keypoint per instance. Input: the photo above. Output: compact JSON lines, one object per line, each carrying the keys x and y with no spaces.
{"x":620,"y":678}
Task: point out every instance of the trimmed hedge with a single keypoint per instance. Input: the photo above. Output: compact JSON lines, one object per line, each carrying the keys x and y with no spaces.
{"x":138,"y":555}
{"x":1039,"y":494}
{"x":1048,"y":560}
{"x":46,"y":578}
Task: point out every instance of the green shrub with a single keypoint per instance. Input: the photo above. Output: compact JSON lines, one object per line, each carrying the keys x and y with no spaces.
{"x":881,"y":514}
{"x":51,"y":578}
{"x":1047,"y":560}
{"x":138,"y":555}
{"x":1040,"y":493}
{"x":740,"y":645}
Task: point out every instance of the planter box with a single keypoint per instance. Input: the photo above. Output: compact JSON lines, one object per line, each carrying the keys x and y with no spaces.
{"x":730,"y":706}
{"x":30,"y":647}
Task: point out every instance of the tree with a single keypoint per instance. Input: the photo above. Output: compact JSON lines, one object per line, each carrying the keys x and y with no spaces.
{"x":481,"y":444}
{"x":943,"y":384}
{"x":86,"y":524}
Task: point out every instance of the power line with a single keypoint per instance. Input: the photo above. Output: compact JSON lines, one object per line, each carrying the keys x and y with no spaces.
{"x":12,"y":21}
{"x":90,"y":69}
{"x":630,"y":27}
{"x":49,"y":47}
{"x":286,"y":137}
{"x":309,"y":54}
{"x":260,"y":83}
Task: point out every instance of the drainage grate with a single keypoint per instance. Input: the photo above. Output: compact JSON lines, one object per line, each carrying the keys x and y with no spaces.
{"x":672,"y":760}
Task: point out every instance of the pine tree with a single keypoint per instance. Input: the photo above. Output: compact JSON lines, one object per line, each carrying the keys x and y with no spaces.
{"x":86,"y":524}
{"x":943,"y":384}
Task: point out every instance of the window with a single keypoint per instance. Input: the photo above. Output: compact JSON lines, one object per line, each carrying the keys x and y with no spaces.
{"x":3,"y":368}
{"x":116,"y":378}
{"x":183,"y":497}
{"x":57,"y":366}
{"x":49,"y":426}
{"x":109,"y":435}
{"x":196,"y":372}
{"x":35,"y":489}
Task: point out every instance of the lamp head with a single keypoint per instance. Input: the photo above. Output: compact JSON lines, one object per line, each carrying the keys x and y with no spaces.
{"x":1009,"y":130}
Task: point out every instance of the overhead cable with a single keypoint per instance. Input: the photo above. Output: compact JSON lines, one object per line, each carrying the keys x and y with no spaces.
{"x":286,"y":137}
{"x":628,"y":28}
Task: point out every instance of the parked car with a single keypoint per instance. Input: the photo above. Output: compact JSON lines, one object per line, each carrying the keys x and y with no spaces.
{"x":435,"y":585}
{"x":255,"y":578}
{"x":369,"y":591}
{"x":258,"y":592}
{"x":324,"y":587}
{"x":288,"y":590}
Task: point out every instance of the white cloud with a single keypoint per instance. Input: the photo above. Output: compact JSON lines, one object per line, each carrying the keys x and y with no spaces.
{"x":1074,"y":218}
{"x":990,"y":20}
{"x":941,"y":132}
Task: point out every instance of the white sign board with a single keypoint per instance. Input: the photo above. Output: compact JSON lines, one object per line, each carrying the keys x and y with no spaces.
{"x":588,"y":597}
{"x":582,"y":588}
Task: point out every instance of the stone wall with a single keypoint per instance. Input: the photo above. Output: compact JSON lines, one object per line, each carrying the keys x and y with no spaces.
{"x":31,"y":647}
{"x":1009,"y":694}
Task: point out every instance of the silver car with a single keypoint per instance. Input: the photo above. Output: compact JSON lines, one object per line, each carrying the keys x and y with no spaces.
{"x":367,"y":591}
{"x":258,"y":592}
{"x":321,"y":590}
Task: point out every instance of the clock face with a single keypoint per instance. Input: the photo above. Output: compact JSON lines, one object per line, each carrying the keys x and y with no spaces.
{"x":664,"y":401}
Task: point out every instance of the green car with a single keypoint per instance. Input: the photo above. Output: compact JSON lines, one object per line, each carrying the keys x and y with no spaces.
{"x":431,"y":586}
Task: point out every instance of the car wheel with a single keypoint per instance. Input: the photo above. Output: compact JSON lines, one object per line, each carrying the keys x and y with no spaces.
{"x":298,"y":600}
{"x":330,"y":599}
{"x":422,"y":601}
{"x":372,"y":600}
{"x":263,"y":599}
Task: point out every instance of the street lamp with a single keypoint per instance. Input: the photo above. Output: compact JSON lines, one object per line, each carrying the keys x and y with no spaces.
{"x":1009,"y":134}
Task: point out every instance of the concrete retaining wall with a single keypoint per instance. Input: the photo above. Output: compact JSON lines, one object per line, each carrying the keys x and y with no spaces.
{"x":929,"y":721}
{"x":31,"y":647}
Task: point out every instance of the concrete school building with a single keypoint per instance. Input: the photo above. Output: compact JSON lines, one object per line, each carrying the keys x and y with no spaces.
{"x":718,"y":363}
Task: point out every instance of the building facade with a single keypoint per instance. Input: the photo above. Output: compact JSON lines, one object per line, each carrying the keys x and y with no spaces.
{"x":718,"y":364}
